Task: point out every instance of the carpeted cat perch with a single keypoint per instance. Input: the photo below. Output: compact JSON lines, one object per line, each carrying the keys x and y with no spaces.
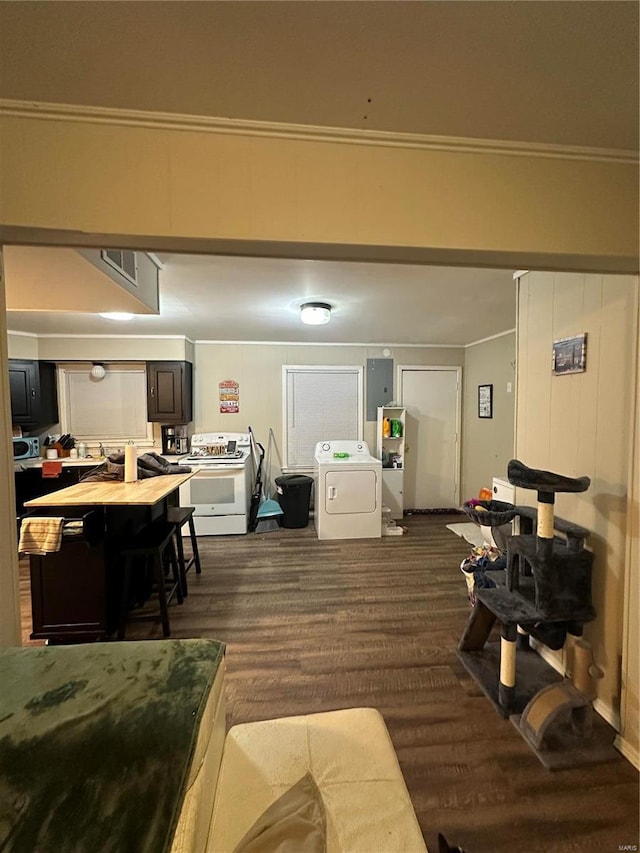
{"x":546,"y":593}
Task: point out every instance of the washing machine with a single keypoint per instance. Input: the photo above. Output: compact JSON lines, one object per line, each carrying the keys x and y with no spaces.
{"x":348,"y":491}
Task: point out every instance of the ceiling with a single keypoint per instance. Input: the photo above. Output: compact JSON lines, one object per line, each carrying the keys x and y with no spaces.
{"x":563,"y":72}
{"x":258,"y":299}
{"x":556,"y":73}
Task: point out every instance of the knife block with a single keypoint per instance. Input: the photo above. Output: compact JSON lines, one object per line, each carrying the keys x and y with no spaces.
{"x":62,"y":453}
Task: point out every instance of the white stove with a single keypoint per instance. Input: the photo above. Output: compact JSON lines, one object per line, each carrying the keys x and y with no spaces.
{"x":212,"y":448}
{"x":220,"y":489}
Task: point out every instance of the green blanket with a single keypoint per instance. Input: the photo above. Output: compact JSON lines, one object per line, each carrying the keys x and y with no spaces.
{"x":96,"y":742}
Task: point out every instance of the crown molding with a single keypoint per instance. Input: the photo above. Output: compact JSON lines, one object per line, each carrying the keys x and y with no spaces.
{"x":198,"y":342}
{"x":490,"y":338}
{"x":23,"y":334}
{"x":58,"y":336}
{"x":310,"y":133}
{"x":362,"y":344}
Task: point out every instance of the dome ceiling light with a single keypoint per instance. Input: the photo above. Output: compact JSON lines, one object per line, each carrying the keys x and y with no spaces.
{"x":315,"y":313}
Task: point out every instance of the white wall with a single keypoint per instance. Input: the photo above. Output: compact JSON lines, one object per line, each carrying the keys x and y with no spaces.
{"x":488,"y":442}
{"x":22,"y":345}
{"x":256,"y":367}
{"x":114,"y":348}
{"x":580,"y":424}
{"x":258,"y":370}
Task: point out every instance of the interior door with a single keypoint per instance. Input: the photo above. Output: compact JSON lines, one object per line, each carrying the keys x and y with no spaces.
{"x":432,"y":445}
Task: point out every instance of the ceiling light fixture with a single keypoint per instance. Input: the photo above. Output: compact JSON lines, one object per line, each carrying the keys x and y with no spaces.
{"x":97,"y":371}
{"x":116,"y":315}
{"x":315,"y":313}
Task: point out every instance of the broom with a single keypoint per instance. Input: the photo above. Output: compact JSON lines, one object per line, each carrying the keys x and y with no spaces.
{"x":269,"y":510}
{"x":256,"y":494}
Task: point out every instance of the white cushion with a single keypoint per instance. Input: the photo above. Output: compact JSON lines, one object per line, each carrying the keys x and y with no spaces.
{"x":195,"y":816}
{"x":349,"y":754}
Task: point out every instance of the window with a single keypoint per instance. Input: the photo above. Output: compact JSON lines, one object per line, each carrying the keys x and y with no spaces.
{"x":112,"y":410}
{"x":319,"y":404}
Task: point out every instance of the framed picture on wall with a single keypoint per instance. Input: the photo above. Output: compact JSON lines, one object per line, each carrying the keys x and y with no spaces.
{"x":485,"y":401}
{"x":570,"y":355}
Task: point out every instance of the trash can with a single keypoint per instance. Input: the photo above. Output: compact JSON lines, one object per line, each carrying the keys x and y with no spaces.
{"x":294,"y":496}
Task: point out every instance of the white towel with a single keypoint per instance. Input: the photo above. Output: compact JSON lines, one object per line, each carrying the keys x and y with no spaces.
{"x":40,"y":535}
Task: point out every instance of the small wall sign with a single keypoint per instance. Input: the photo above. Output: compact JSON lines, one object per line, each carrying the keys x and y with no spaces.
{"x":570,"y":355}
{"x":229,"y":392}
{"x":485,"y":401}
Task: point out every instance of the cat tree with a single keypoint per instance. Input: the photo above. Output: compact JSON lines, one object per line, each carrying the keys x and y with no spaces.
{"x":545,"y":592}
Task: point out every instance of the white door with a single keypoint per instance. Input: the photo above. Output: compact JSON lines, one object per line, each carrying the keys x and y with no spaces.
{"x":431,"y":397}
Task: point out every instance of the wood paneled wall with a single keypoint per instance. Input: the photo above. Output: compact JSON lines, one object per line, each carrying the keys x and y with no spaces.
{"x":581,"y":423}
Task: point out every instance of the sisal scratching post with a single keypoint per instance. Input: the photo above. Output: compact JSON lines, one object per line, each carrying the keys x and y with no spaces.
{"x":585,"y":671}
{"x":507,"y":685}
{"x":544,"y":545}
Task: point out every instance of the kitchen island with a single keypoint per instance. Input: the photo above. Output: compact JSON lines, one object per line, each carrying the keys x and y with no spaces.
{"x":76,"y":591}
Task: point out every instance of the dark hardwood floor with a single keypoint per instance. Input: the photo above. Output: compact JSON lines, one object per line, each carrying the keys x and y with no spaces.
{"x":313,"y":626}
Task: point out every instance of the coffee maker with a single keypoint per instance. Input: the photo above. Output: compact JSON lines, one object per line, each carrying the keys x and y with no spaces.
{"x":175,"y":439}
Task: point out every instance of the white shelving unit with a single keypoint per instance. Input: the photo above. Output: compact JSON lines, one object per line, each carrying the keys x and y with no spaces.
{"x":390,"y":449}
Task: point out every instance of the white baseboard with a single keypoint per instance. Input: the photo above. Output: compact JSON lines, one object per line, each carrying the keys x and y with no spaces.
{"x":554,"y":659}
{"x":612,"y":717}
{"x":630,"y":752}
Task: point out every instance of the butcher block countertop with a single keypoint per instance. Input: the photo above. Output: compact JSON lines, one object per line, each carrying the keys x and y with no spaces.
{"x":145,"y":492}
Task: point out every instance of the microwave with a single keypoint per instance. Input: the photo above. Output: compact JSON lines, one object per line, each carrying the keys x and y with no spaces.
{"x":26,"y":448}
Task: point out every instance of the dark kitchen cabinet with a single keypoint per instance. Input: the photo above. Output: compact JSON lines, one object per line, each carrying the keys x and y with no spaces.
{"x":169,"y":392}
{"x":31,"y":484}
{"x":62,"y":608}
{"x":34,"y":393}
{"x":72,"y":594}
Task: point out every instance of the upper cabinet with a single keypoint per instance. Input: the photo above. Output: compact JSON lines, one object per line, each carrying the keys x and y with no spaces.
{"x":169,"y":392}
{"x":34,"y":393}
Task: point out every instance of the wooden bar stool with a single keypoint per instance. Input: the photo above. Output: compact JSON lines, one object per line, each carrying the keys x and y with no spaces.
{"x":151,"y":545}
{"x":179,"y":516}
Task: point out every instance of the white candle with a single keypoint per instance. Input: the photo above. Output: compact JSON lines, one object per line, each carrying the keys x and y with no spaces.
{"x":130,"y":463}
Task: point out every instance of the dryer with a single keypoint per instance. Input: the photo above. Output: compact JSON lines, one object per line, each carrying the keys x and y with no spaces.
{"x":348,"y":491}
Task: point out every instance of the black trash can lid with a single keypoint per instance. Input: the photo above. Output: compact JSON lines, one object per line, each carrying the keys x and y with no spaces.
{"x":293,"y":480}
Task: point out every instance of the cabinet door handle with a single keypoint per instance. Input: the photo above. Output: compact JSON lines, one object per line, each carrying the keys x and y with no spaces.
{"x":33,"y":392}
{"x":152,"y":391}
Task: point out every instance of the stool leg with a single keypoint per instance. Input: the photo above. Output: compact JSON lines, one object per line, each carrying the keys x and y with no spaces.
{"x":124,"y":598}
{"x":176,"y":570}
{"x":181,"y":562}
{"x":162,"y":595}
{"x":194,"y":545}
